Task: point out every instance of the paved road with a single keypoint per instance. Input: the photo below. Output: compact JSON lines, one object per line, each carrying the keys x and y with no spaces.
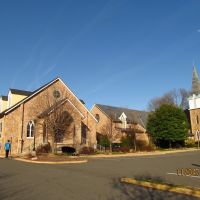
{"x":96,"y":180}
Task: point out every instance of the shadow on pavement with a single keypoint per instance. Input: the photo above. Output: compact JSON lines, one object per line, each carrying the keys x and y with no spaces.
{"x":5,"y":191}
{"x":196,"y":165}
{"x":130,"y":191}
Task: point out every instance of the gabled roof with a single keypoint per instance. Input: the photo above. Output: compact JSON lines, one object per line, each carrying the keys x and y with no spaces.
{"x":4,"y":98}
{"x":34,"y":93}
{"x":56,"y":106}
{"x":21,"y":92}
{"x":134,"y":116}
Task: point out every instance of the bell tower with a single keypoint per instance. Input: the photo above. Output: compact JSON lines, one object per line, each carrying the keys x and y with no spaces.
{"x":194,"y":103}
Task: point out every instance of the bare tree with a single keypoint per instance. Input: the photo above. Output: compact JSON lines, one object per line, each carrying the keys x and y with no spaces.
{"x":56,"y":116}
{"x":109,"y":130}
{"x":57,"y":122}
{"x":173,"y":97}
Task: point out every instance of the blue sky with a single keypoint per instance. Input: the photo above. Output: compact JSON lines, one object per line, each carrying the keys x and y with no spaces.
{"x":114,"y":52}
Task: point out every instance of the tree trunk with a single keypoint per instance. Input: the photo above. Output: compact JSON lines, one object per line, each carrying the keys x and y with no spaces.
{"x":53,"y":144}
{"x":134,"y":141}
{"x":110,"y":147}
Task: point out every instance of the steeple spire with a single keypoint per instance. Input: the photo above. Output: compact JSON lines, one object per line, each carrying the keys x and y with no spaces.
{"x":195,"y":82}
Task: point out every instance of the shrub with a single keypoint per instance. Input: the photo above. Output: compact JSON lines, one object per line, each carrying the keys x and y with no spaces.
{"x":143,"y":146}
{"x":127,"y":141}
{"x":87,"y":150}
{"x":124,"y":149}
{"x":167,"y":125}
{"x":121,"y":149}
{"x":103,"y":141}
{"x":190,"y":143}
{"x":43,"y":148}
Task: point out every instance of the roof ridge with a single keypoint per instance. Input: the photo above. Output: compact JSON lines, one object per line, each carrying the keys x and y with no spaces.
{"x":25,"y":99}
{"x":122,"y":108}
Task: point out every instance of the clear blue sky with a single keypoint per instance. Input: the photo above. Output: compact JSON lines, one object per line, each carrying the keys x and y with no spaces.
{"x":119,"y":52}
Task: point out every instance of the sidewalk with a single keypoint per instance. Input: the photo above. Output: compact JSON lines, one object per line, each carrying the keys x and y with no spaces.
{"x":85,"y":157}
{"x":140,"y":153}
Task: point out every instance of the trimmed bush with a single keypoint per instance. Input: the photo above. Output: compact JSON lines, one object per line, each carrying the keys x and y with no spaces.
{"x":43,"y":148}
{"x":87,"y":150}
{"x":103,"y":140}
{"x":190,"y":143}
{"x":124,"y":149}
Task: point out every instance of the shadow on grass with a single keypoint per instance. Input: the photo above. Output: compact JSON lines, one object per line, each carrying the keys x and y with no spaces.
{"x":130,"y":191}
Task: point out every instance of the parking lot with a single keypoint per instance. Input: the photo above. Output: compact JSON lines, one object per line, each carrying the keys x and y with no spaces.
{"x":97,"y":179}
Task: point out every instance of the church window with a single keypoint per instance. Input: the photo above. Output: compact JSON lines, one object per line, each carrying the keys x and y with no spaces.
{"x":30,"y":129}
{"x":97,"y":117}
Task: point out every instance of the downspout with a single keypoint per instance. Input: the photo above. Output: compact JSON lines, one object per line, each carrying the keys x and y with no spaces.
{"x":22,"y":127}
{"x":34,"y":136}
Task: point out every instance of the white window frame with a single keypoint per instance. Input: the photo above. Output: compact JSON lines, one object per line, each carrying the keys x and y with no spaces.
{"x":31,"y":127}
{"x":123,"y":118}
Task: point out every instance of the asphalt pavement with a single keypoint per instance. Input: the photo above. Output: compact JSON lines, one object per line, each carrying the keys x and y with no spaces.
{"x":96,"y":180}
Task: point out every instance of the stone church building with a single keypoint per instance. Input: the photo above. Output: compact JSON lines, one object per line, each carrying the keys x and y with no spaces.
{"x":194,"y":104}
{"x":31,"y":119}
{"x":117,"y":122}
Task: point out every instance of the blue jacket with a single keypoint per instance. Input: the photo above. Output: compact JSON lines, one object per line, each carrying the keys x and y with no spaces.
{"x":7,"y":146}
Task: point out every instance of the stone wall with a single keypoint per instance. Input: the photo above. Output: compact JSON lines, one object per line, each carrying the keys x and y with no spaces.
{"x":105,"y":124}
{"x":15,"y":122}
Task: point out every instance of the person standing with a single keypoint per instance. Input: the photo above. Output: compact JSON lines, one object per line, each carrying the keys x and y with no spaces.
{"x":7,"y":148}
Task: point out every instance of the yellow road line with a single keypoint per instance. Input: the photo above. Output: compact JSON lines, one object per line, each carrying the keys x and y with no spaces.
{"x":51,"y":162}
{"x":178,"y":189}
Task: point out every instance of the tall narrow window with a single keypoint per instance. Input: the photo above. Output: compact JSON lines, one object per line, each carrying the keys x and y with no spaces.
{"x":0,"y":129}
{"x":30,"y":129}
{"x":197,"y":118}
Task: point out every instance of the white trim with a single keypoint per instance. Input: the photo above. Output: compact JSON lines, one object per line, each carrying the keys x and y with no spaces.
{"x":101,"y":111}
{"x":92,"y":107}
{"x":78,"y":99}
{"x":43,"y":89}
{"x":31,"y":125}
{"x":30,"y":96}
{"x":72,"y":105}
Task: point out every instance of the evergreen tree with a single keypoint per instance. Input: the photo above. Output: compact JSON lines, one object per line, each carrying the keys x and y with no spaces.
{"x":167,"y":124}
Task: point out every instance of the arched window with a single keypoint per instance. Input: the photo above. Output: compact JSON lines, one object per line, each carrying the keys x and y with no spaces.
{"x":97,"y":117}
{"x":30,"y":129}
{"x":197,"y":119}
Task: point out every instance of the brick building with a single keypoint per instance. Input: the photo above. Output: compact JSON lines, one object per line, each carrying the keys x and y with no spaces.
{"x":120,"y":122}
{"x":25,"y":115}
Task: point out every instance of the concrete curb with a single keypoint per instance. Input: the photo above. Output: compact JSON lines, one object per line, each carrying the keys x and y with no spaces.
{"x":177,"y":189}
{"x":140,"y":154}
{"x":51,"y":162}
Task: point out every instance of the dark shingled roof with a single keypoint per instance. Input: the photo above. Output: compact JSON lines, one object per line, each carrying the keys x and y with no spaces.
{"x":4,"y":98}
{"x":134,"y":116}
{"x":21,"y":92}
{"x":30,"y":93}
